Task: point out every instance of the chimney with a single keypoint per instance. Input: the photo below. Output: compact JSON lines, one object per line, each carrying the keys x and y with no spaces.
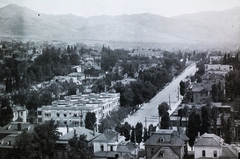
{"x":67,"y":129}
{"x":19,"y":125}
{"x":198,"y":134}
{"x":74,"y":132}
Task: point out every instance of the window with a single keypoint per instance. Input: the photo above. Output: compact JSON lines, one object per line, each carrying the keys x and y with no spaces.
{"x":161,"y":140}
{"x":111,"y":148}
{"x":151,"y":150}
{"x":39,"y":112}
{"x":102,"y":147}
{"x":203,"y":153}
{"x":215,"y":153}
{"x":21,"y":113}
{"x":161,"y":154}
{"x":58,"y":114}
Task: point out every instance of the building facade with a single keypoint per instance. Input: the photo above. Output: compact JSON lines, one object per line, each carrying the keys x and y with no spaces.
{"x":73,"y":109}
{"x":212,"y":146}
{"x":217,"y":69}
{"x":164,"y":144}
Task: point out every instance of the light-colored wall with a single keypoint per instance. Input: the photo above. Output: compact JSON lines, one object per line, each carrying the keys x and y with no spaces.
{"x":209,"y":151}
{"x":21,"y":114}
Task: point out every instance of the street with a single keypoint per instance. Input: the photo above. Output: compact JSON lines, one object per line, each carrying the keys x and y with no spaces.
{"x":148,"y":113}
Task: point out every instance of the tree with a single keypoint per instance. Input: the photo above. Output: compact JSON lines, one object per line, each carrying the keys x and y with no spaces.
{"x":79,"y":147}
{"x":228,"y":134}
{"x":151,"y":129}
{"x":165,"y":121}
{"x":182,"y":88}
{"x":6,"y":112}
{"x":206,"y":119}
{"x":46,"y":135}
{"x":27,"y":147}
{"x":126,"y":130}
{"x":163,"y":108}
{"x":145,"y":135}
{"x":194,"y":127}
{"x":214,"y":114}
{"x":133,"y":140}
{"x":90,"y":120}
{"x":139,"y":132}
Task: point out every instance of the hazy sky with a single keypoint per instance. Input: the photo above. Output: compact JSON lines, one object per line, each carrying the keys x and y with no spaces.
{"x":88,"y":8}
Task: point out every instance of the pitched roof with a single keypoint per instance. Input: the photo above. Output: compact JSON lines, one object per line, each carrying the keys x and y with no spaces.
{"x":80,"y":131}
{"x":110,"y":135}
{"x":18,"y":108}
{"x":228,"y":151}
{"x":9,"y":140}
{"x":209,"y":140}
{"x":126,"y":146}
{"x":14,"y":126}
{"x":168,"y":136}
{"x":167,"y":153}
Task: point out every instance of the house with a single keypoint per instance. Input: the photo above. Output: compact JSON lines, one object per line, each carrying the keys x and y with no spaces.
{"x":8,"y":136}
{"x":111,"y":145}
{"x":61,"y":149}
{"x":200,"y":92}
{"x":19,"y":113}
{"x":212,"y":146}
{"x":165,"y":143}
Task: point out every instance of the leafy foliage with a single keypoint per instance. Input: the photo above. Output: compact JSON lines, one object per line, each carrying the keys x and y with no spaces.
{"x":6,"y":112}
{"x":163,"y":108}
{"x":206,"y":119}
{"x":39,"y":143}
{"x":194,"y":126}
{"x":46,"y":135}
{"x":79,"y":147}
{"x":90,"y":120}
{"x":139,"y":132}
{"x":165,"y":121}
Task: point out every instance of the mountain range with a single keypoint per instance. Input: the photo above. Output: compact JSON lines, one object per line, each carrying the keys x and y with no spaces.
{"x":202,"y":27}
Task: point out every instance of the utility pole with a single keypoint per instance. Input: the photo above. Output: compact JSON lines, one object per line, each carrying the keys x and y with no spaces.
{"x":169,"y":102}
{"x":178,"y":93}
{"x":146,"y":122}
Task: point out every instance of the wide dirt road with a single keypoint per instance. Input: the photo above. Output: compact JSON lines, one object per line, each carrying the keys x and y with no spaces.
{"x":148,"y":113}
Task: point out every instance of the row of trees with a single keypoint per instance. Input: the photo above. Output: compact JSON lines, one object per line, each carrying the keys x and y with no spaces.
{"x":206,"y":122}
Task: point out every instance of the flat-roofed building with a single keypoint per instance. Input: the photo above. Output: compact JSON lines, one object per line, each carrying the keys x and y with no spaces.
{"x":217,"y":69}
{"x":73,"y":109}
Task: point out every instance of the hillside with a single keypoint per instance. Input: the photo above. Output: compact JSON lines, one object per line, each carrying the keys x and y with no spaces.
{"x":205,"y":27}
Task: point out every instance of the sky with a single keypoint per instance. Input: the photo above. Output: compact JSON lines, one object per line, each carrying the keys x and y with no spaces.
{"x":87,"y":8}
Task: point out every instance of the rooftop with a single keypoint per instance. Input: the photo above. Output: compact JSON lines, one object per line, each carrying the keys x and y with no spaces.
{"x":80,"y":131}
{"x":209,"y":140}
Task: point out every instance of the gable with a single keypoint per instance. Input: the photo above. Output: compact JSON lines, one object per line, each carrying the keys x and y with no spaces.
{"x":165,"y":153}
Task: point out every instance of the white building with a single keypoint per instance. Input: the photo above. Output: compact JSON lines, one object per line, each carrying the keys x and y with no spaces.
{"x":73,"y":109}
{"x":111,"y":144}
{"x":217,"y":69}
{"x":19,"y":113}
{"x":212,"y":146}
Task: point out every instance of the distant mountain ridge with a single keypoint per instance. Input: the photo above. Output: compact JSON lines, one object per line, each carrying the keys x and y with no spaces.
{"x":204,"y":27}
